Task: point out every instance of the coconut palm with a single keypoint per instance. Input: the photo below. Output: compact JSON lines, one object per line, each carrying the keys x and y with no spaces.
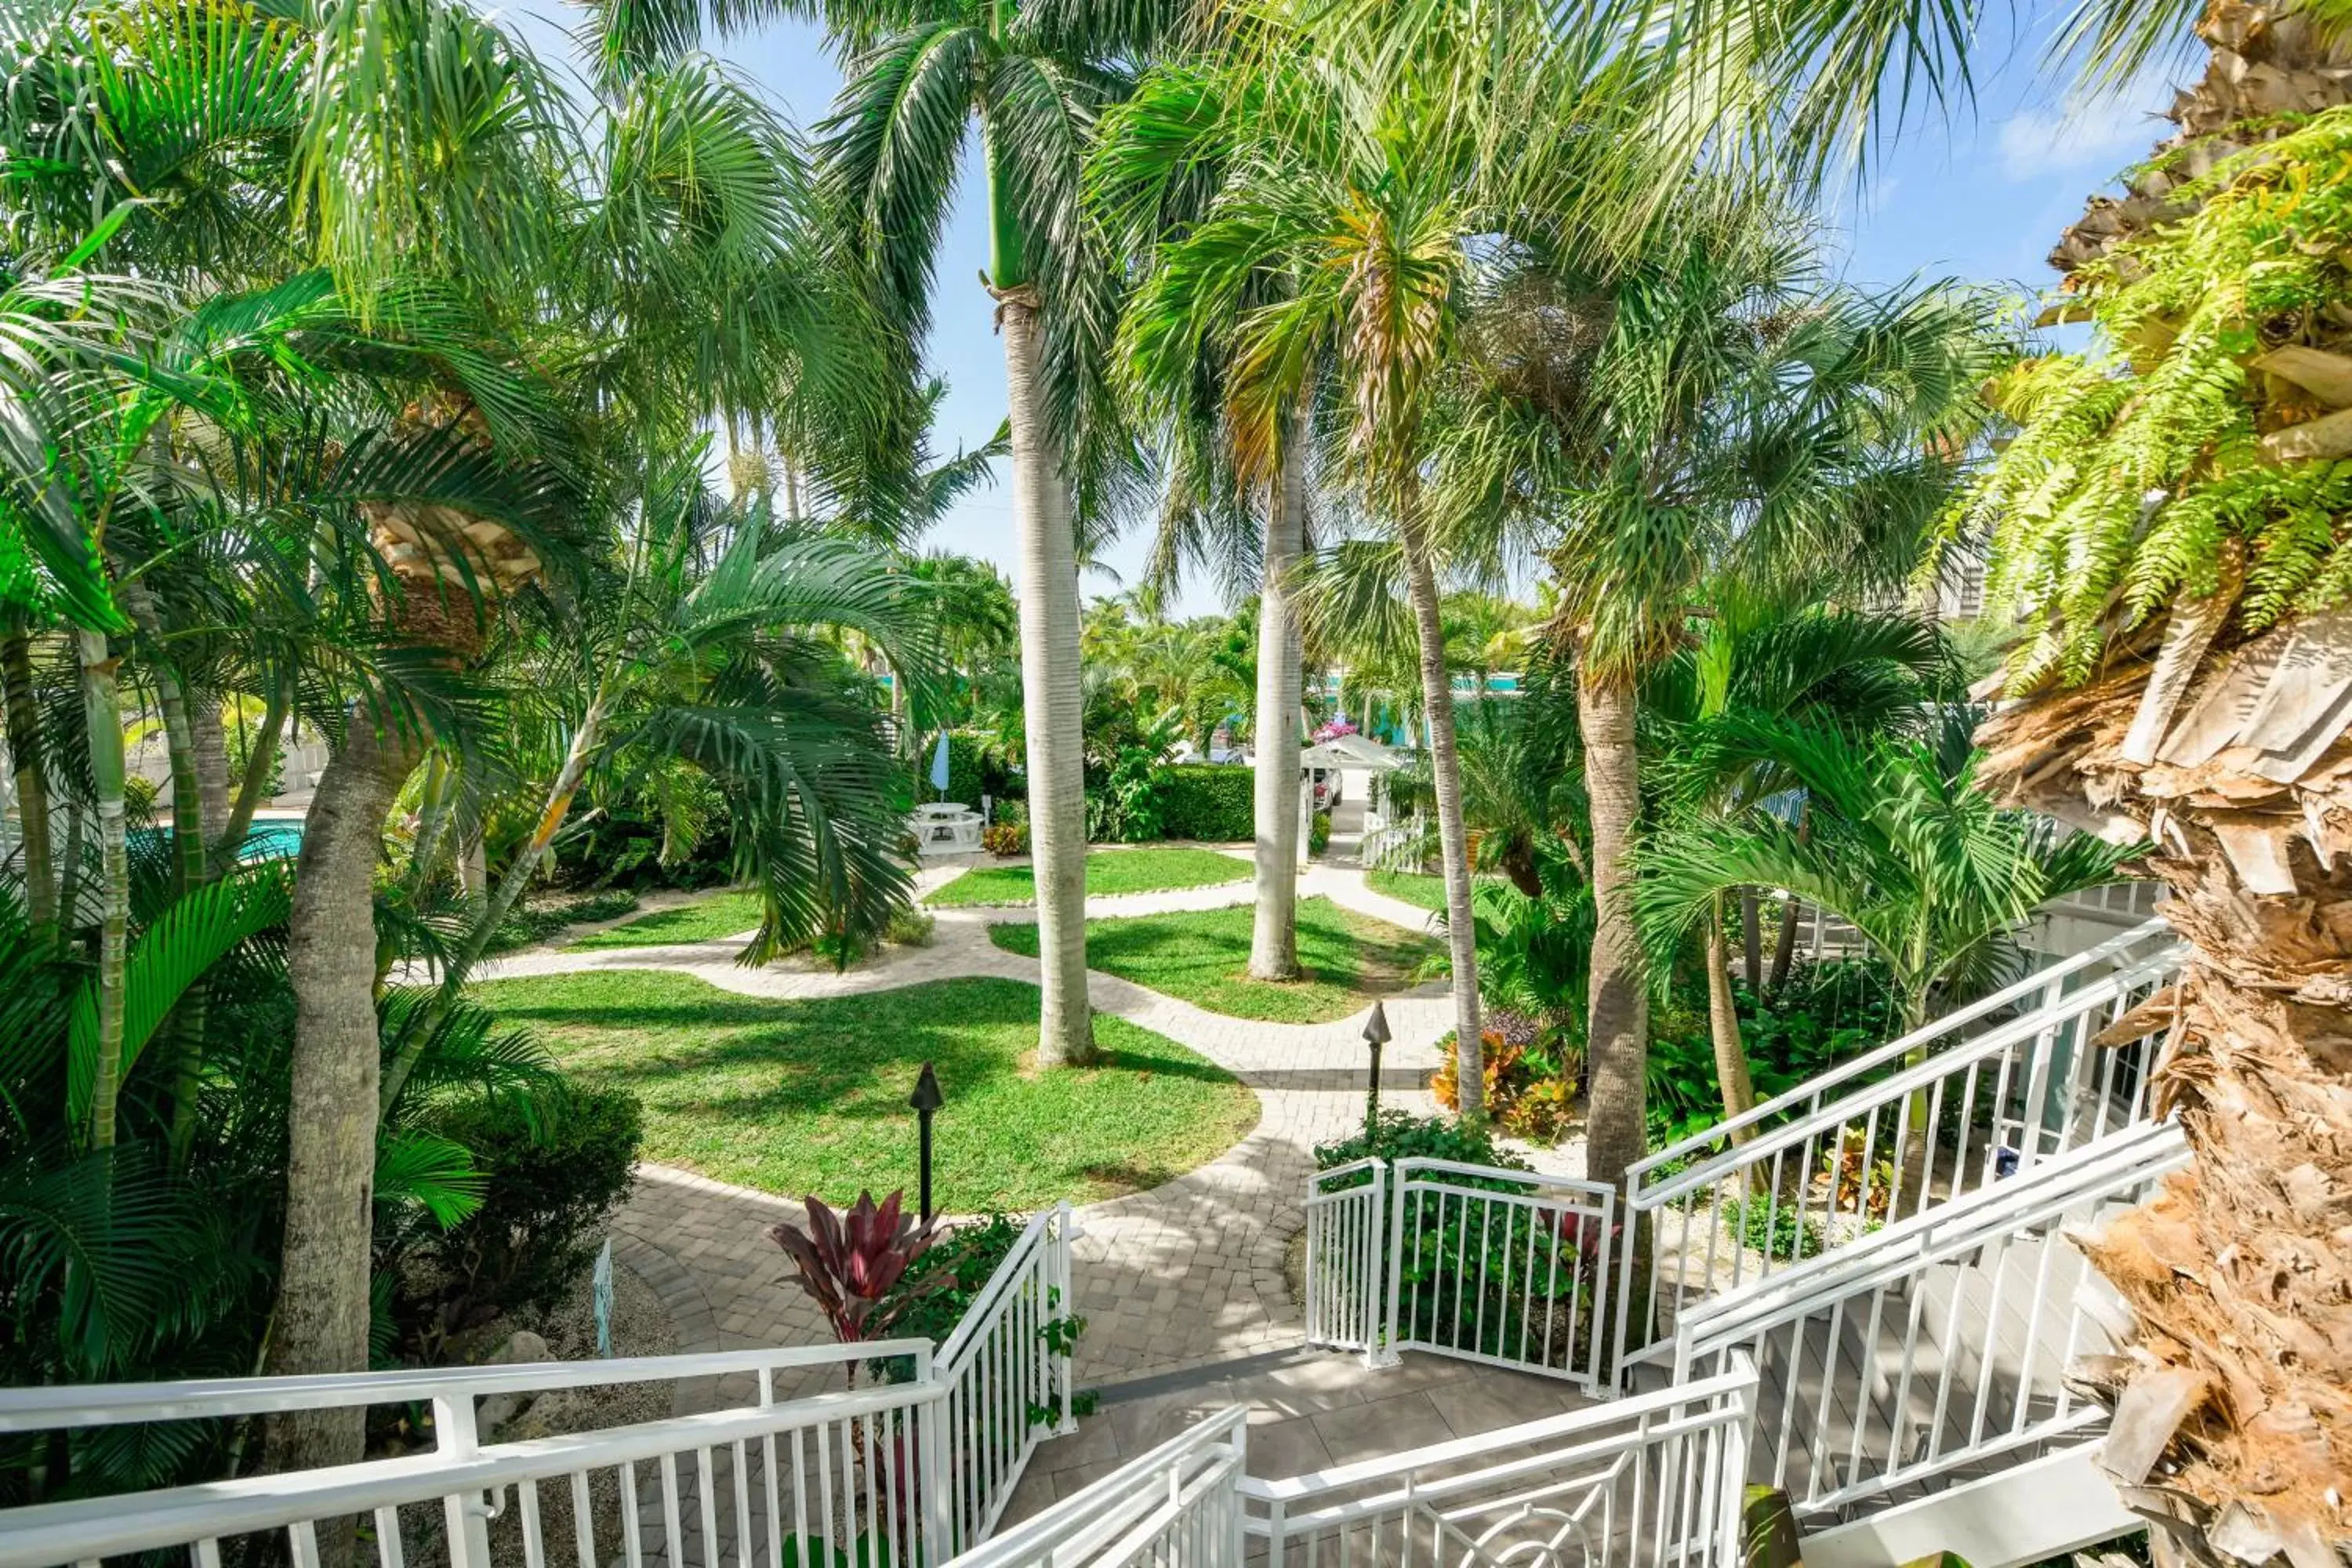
{"x":1702,"y":413}
{"x":1343,"y":232}
{"x":1033,"y":80}
{"x":1238,"y":455}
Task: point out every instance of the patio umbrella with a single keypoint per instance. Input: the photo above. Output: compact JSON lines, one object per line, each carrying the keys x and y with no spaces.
{"x":940,"y":766}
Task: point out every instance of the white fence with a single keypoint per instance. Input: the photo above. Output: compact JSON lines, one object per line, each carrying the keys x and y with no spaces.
{"x":1633,"y":1483}
{"x":1007,"y":1390}
{"x":899,"y":1472}
{"x":1346,"y":1225}
{"x":1936,"y":1344}
{"x":839,"y":1471}
{"x":1503,"y":1267}
{"x":1178,"y":1506}
{"x":1982,"y":1093}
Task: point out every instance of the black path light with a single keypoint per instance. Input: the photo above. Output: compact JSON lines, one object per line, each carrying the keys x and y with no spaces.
{"x":1376,"y":1035}
{"x":926,"y":1100}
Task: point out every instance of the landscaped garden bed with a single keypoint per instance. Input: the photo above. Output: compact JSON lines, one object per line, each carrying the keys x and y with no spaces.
{"x":1203,"y":956}
{"x":796,"y":1097}
{"x":1109,"y":871}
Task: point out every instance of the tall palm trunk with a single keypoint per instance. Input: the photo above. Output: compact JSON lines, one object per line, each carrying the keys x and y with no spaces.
{"x":1723,"y":1027}
{"x":1051,"y":713}
{"x":1618,"y":1033}
{"x":1274,"y":928}
{"x":322,"y":1299}
{"x":102,"y":717}
{"x":1452,"y":842}
{"x":24,"y":721}
{"x":260,"y":759}
{"x":1751,"y":939}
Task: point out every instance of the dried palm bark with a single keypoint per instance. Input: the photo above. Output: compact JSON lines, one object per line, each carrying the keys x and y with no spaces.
{"x":2232,"y":756}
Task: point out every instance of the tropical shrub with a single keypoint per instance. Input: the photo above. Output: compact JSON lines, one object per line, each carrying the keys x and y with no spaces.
{"x":977,"y":767}
{"x":1214,"y":802}
{"x":1127,"y":807}
{"x":1005,"y":838}
{"x":850,"y":1264}
{"x":1318,"y":833}
{"x":554,"y":1169}
{"x":1397,"y":1135}
{"x":1530,"y":1076}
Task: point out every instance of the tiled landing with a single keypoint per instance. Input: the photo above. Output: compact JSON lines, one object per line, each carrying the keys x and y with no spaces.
{"x":1308,"y":1411}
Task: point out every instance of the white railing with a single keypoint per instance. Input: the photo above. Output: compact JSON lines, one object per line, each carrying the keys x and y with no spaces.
{"x":1504,"y":1267}
{"x":1008,"y":1386}
{"x":1347,"y":1230}
{"x":1978,"y":1094}
{"x":1939,"y":1343}
{"x":840,"y":1471}
{"x":1396,"y":846}
{"x":1636,"y":1482}
{"x":905,"y":1471}
{"x":1178,"y":1506}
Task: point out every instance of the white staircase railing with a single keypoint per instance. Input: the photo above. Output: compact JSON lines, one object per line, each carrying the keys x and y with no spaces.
{"x":1630,"y":1483}
{"x":1347,"y":1232}
{"x":1178,"y":1506}
{"x":1981,"y":1093}
{"x":1006,"y":1387}
{"x":1936,"y":1344}
{"x":840,"y":1471}
{"x":906,"y":1471}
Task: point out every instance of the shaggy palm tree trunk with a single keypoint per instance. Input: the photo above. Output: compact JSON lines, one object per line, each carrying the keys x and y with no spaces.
{"x":1618,"y":1012}
{"x":210,"y":744}
{"x":1274,"y":929}
{"x":24,"y":721}
{"x":1723,"y":1027}
{"x":1453,"y":841}
{"x":1049,"y":685}
{"x":322,"y":1300}
{"x":1751,"y":940}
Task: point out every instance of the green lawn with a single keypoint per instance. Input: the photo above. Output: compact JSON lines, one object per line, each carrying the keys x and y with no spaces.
{"x":810,"y":1096}
{"x":1108,"y":871}
{"x":1203,"y":956}
{"x":1413,"y":886}
{"x":705,"y":920}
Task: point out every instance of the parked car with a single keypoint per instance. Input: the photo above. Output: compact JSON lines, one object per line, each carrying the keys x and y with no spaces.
{"x":1326,"y":785}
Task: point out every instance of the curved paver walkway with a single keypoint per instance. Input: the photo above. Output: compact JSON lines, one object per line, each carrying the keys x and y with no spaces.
{"x":1183,"y":1275}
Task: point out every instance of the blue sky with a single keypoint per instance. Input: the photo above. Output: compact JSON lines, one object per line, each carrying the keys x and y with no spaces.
{"x":1980,"y":194}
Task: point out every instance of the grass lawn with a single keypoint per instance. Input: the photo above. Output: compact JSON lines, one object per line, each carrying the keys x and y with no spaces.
{"x":705,"y":920}
{"x":810,"y":1096}
{"x":1203,"y":956}
{"x":1413,"y":886}
{"x":1108,"y":871}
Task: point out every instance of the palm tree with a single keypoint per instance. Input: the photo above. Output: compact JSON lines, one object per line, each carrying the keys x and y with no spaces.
{"x":1238,"y":432}
{"x":1700,"y":410}
{"x":1905,"y":846}
{"x":1343,"y":233}
{"x":2165,"y":521}
{"x":1858,"y":674}
{"x":1033,"y":80}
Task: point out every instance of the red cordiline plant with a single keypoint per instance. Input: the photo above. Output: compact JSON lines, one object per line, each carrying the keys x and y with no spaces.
{"x":849,"y":1263}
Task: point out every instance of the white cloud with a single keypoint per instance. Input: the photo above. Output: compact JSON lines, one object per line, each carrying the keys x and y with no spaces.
{"x":2106,"y":136}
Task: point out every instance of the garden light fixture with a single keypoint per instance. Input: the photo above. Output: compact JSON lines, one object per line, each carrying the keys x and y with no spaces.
{"x":1376,"y":1035}
{"x":926,"y":1100}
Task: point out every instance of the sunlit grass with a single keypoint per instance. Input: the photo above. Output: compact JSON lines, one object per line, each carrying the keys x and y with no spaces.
{"x":1108,"y":871}
{"x":1203,"y":956}
{"x":810,"y":1096}
{"x":719,"y":916}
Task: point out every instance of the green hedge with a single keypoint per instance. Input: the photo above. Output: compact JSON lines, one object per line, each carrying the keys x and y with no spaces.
{"x":974,"y":768}
{"x":1213,"y":801}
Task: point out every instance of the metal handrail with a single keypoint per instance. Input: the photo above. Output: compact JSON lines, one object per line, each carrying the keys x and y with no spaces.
{"x":1925,"y":1036}
{"x":1886,"y":1091}
{"x":54,"y":1405}
{"x":1134,"y":1502}
{"x":984,"y":1305}
{"x":92,"y":1528}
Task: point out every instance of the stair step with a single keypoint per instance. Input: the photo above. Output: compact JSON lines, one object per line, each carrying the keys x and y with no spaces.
{"x":2045,"y":1508}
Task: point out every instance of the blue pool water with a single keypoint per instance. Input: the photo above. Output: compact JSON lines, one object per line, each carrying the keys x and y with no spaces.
{"x":270,"y":840}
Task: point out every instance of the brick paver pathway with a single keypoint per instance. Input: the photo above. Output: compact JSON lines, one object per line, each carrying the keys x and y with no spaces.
{"x":1185,"y":1275}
